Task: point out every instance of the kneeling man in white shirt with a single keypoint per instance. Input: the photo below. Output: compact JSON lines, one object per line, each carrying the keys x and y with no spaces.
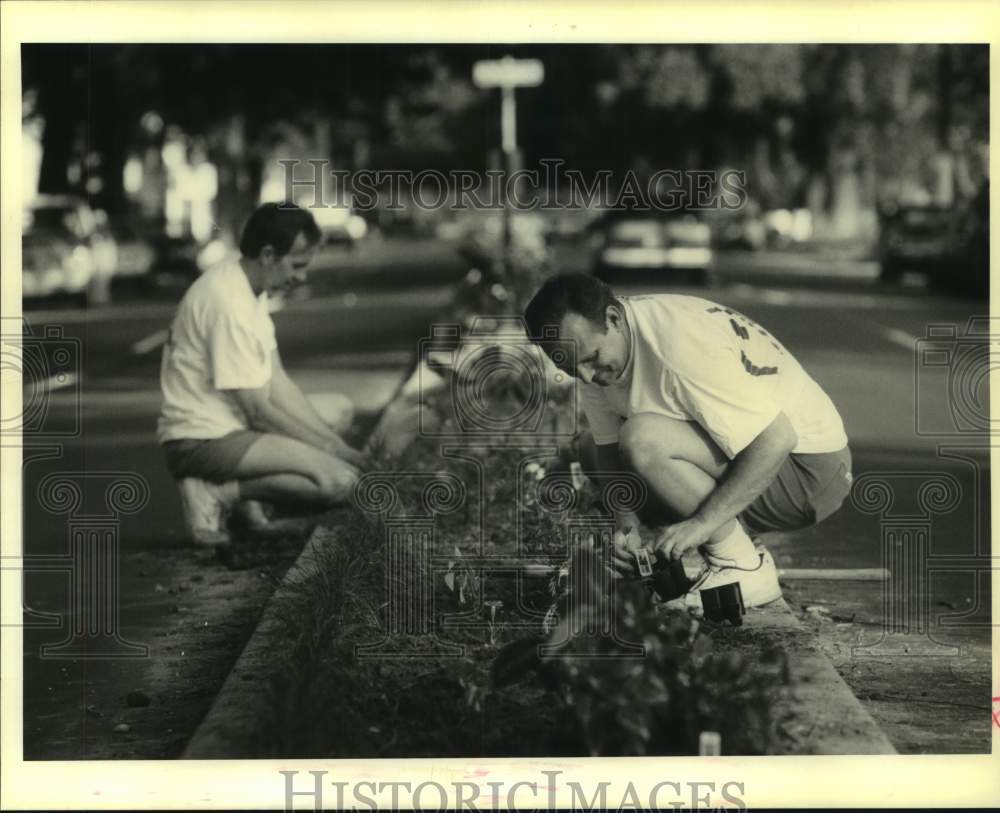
{"x":235,"y":429}
{"x":728,"y":432}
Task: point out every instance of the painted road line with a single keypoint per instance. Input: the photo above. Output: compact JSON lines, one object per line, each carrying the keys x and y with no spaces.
{"x":152,"y":342}
{"x":428,"y":297}
{"x":331,"y":361}
{"x":333,"y":302}
{"x":810,"y":298}
{"x":860,"y":574}
{"x":111,"y":313}
{"x":900,"y":338}
{"x":58,"y":382}
{"x":772,"y":296}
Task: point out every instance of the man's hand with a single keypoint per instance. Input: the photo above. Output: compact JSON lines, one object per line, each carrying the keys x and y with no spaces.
{"x":626,"y":520}
{"x":349,"y":454}
{"x":621,"y":560}
{"x":355,"y":458}
{"x":626,"y":539}
{"x":674,"y":540}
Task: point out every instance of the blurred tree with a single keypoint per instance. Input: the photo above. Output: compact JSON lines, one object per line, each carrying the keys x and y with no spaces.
{"x":844,"y":118}
{"x":59,"y":77}
{"x":840,"y":124}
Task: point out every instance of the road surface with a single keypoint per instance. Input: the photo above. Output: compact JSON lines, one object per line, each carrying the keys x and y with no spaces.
{"x":356,"y":333}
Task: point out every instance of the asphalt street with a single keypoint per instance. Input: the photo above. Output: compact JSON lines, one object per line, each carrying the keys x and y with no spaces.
{"x":916,"y":650}
{"x":357,"y":330}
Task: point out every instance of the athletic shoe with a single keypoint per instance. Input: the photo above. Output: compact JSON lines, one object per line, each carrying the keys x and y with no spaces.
{"x":205,"y":505}
{"x":758,"y":585}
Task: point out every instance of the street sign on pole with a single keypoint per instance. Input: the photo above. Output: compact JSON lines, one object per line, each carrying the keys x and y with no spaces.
{"x":508,"y":72}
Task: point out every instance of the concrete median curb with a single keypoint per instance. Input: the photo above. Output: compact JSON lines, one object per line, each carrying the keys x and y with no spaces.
{"x":819,"y":715}
{"x":229,"y":730}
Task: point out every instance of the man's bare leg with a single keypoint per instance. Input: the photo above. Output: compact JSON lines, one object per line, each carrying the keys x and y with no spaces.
{"x":681,"y":465}
{"x":281,"y":468}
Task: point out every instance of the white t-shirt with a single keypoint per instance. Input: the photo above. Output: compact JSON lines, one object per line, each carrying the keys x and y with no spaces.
{"x":694,"y":360}
{"x":221,"y":339}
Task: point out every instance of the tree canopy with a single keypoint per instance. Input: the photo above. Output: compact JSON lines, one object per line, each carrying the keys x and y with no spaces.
{"x":798,"y":109}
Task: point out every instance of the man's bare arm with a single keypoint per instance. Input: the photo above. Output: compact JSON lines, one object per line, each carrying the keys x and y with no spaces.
{"x":286,"y":395}
{"x":746,"y":478}
{"x":750,"y":473}
{"x":264,"y":415}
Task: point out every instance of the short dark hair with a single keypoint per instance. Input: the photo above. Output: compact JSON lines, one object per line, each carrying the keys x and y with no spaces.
{"x":567,"y":293}
{"x":277,"y":225}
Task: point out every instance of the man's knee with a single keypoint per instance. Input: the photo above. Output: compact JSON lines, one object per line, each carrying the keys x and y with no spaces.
{"x":643,"y":438}
{"x":336,"y":409}
{"x":336,"y":483}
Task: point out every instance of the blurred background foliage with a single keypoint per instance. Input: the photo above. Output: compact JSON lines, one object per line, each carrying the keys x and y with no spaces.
{"x":835,"y":128}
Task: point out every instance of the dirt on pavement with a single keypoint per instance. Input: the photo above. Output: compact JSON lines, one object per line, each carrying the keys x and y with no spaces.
{"x":926,"y":702}
{"x":195,"y":614}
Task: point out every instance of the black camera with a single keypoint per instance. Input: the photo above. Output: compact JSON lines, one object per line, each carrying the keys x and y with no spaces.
{"x":665,"y":578}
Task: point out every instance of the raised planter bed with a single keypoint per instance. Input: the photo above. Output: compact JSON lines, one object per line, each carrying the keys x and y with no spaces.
{"x":386,"y":638}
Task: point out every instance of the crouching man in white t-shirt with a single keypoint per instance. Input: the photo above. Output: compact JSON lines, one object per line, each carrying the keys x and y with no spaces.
{"x":729,"y":433}
{"x":235,"y":429}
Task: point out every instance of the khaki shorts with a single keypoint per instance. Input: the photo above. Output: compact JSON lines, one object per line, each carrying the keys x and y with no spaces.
{"x":215,"y":460}
{"x":807,"y":489}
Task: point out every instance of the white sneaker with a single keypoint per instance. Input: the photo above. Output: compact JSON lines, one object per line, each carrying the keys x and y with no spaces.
{"x":758,"y":585}
{"x":205,"y":505}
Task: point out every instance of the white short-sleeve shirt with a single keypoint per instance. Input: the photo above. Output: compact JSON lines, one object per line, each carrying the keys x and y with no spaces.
{"x":221,"y":339}
{"x":698,"y":361}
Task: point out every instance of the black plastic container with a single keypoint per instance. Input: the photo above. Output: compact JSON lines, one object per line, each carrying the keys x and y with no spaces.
{"x":724,"y":603}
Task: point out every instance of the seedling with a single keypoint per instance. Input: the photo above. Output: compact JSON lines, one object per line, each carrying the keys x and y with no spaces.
{"x":493,"y":607}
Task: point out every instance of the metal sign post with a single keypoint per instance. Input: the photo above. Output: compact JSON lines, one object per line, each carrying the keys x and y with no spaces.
{"x":508,"y":73}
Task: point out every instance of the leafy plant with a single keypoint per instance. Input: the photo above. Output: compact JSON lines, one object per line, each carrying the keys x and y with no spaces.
{"x":592,"y":697}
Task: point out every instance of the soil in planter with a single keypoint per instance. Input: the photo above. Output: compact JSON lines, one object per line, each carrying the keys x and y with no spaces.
{"x":435,"y":696}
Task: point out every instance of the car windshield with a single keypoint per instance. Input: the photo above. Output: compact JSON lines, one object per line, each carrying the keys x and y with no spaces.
{"x":636,"y":234}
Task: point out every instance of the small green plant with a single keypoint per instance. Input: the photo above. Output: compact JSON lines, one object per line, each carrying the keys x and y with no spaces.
{"x":592,"y":697}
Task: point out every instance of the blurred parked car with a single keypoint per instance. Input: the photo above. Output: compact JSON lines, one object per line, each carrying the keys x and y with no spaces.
{"x":54,"y":262}
{"x":135,"y":252}
{"x":176,"y":257}
{"x":948,"y":244}
{"x":567,"y":224}
{"x":66,"y":249}
{"x":741,"y":234}
{"x":677,"y":244}
{"x":340,"y":225}
{"x":913,"y":238}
